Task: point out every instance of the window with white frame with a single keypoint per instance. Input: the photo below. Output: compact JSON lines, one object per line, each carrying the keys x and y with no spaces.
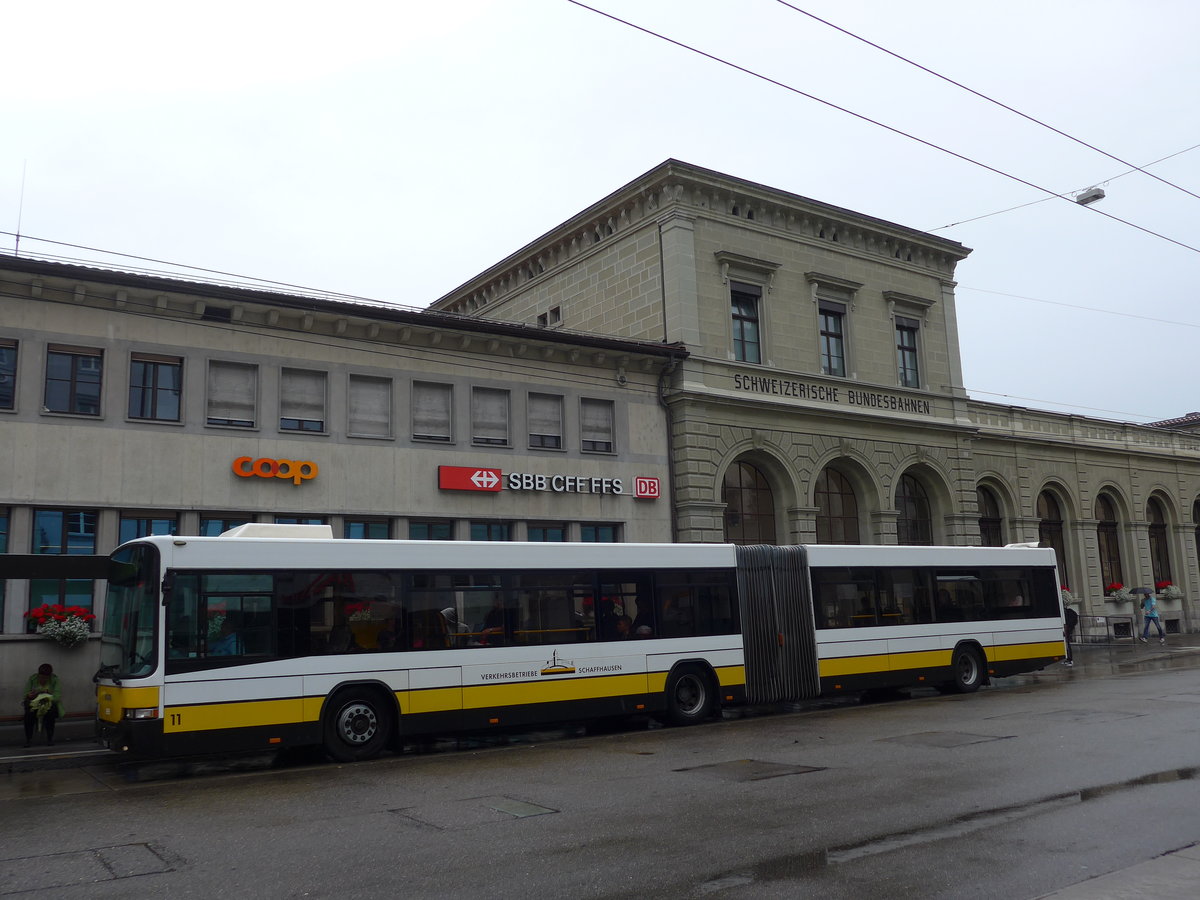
{"x":432,"y":409}
{"x":545,"y":421}
{"x":744,"y":302}
{"x":489,"y":416}
{"x":232,"y":394}
{"x":833,"y":338}
{"x":596,"y":425}
{"x":369,"y":412}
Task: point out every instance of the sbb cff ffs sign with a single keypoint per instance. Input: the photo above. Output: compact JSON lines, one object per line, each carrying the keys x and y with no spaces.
{"x":296,"y":470}
{"x":465,"y":478}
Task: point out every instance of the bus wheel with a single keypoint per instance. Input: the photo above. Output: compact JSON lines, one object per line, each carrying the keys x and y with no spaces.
{"x":690,"y":697}
{"x":357,"y":727}
{"x":968,"y":671}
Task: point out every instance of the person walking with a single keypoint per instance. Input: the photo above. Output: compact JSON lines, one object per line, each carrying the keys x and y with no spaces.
{"x":1150,"y":611}
{"x":1070,"y":621}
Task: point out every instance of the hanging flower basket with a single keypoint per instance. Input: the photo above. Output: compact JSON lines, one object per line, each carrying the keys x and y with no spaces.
{"x":1116,"y":593}
{"x":1067,"y":597}
{"x":1168,"y":591}
{"x":68,"y":626}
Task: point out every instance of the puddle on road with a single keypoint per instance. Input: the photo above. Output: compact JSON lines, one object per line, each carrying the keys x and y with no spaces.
{"x":803,"y":863}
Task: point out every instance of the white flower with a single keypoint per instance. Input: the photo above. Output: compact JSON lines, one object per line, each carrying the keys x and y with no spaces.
{"x":71,"y":632}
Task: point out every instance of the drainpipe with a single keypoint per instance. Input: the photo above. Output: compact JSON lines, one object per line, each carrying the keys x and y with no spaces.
{"x":663,"y":377}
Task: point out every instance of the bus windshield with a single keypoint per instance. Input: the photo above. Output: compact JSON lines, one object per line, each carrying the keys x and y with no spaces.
{"x":130,"y":639}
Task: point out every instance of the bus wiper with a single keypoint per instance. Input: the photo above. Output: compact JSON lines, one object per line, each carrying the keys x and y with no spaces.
{"x":106,"y":672}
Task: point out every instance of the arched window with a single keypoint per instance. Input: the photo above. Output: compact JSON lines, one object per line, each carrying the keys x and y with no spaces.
{"x":1108,"y":542}
{"x":915,"y":524}
{"x":1050,"y":531}
{"x":1196,"y":519}
{"x":991,"y":525}
{"x":837,"y":509}
{"x":1160,"y":553}
{"x":749,"y":506}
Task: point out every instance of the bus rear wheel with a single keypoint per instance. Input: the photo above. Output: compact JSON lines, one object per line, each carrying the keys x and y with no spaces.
{"x":968,"y":671}
{"x":690,"y":697}
{"x":357,"y":727}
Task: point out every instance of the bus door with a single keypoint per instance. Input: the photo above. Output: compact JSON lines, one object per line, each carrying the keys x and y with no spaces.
{"x":778,"y":629}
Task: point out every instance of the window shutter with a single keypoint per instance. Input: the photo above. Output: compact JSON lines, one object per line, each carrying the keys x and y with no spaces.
{"x":545,"y":420}
{"x":231,"y":392}
{"x":489,"y":416}
{"x":431,"y":411}
{"x":370,"y":406}
{"x":302,"y":395}
{"x":596,"y":424}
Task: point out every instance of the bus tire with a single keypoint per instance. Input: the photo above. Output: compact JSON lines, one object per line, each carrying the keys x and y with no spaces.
{"x":691,"y":697}
{"x":358,"y":725}
{"x":968,"y":670}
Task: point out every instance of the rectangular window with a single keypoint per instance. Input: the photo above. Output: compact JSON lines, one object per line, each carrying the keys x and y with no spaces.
{"x":155,"y":387}
{"x":432,"y":406}
{"x":906,"y":351}
{"x":545,"y":418}
{"x":68,"y":532}
{"x":596,"y":425}
{"x":133,"y":526}
{"x":368,"y":529}
{"x":547,"y":533}
{"x":370,"y":412}
{"x":232,"y":394}
{"x":491,"y":531}
{"x":8,"y":374}
{"x":73,"y":380}
{"x":301,"y":400}
{"x":833,"y":338}
{"x":489,"y":416}
{"x":744,"y":301}
{"x":600,"y":534}
{"x":214,"y":527}
{"x":431,"y":531}
{"x":300,"y":520}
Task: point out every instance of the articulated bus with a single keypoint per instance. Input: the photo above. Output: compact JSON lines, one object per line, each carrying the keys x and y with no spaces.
{"x":248,"y":642}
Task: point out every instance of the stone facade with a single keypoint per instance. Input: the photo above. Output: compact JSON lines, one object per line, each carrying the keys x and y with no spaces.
{"x":666,"y":256}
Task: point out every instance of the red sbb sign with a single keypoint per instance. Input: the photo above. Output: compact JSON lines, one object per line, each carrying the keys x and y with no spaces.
{"x":465,"y":478}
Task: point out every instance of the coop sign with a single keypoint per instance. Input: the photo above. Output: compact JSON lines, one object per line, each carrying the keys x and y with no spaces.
{"x":469,"y":478}
{"x":293,"y":469}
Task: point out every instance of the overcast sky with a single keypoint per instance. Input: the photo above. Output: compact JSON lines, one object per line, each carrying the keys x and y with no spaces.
{"x":394,"y":150}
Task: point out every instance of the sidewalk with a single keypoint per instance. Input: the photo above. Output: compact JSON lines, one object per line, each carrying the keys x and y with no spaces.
{"x":74,"y":741}
{"x":1167,"y":877}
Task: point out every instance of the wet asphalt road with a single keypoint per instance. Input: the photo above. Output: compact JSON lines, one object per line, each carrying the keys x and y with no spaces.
{"x":1027,"y":787}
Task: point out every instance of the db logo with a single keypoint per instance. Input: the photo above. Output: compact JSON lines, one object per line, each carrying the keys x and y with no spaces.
{"x":246,"y":467}
{"x":646,"y":487}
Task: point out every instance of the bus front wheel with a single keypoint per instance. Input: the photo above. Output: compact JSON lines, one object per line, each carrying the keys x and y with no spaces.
{"x":968,"y":670}
{"x":690,"y":697}
{"x":357,"y":727}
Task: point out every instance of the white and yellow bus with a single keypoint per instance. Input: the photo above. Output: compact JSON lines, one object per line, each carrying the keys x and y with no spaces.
{"x":280,"y":636}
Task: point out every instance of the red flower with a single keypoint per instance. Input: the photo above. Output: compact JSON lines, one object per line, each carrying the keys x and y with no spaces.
{"x":1159,"y":585}
{"x":1115,"y":586}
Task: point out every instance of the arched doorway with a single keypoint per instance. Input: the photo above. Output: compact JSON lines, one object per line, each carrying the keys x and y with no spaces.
{"x":749,"y":505}
{"x":991,"y":524}
{"x":837,"y":509}
{"x":914,"y":525}
{"x":1050,"y":531}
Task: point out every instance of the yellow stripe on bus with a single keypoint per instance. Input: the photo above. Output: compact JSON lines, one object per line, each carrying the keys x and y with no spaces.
{"x":243,"y":714}
{"x":930,"y":659}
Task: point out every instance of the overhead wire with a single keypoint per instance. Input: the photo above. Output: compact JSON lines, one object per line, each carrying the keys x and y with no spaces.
{"x":983,"y":96}
{"x":864,"y":118}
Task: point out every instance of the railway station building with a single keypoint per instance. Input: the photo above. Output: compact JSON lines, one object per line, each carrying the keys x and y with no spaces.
{"x":694,"y":357}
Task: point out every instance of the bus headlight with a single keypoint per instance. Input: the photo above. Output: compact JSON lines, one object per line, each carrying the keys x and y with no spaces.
{"x":148,"y":712}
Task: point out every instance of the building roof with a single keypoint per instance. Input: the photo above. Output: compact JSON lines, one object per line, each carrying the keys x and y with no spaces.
{"x":1188,"y":421}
